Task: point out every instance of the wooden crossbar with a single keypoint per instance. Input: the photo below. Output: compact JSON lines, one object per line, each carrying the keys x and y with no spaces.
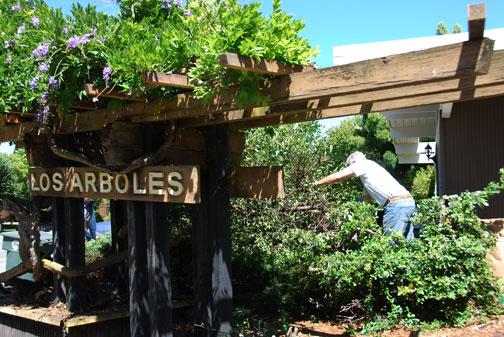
{"x":436,"y":70}
{"x":476,"y":15}
{"x":157,"y":78}
{"x":94,"y":90}
{"x":240,"y":62}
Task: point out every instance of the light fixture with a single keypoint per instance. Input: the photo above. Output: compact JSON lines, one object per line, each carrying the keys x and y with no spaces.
{"x":428,"y":152}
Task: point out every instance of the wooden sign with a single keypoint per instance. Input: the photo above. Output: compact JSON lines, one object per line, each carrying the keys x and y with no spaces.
{"x":257,"y":182}
{"x":179,"y":184}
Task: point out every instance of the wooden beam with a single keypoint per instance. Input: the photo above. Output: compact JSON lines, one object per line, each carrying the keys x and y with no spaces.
{"x":240,"y":62}
{"x":16,"y":132}
{"x":476,"y":15}
{"x":164,"y":79}
{"x":443,"y":97}
{"x":58,"y":246}
{"x":372,"y":80}
{"x":138,"y":274}
{"x":356,"y":102}
{"x":75,"y":249}
{"x":465,"y":59}
{"x":158,"y":268}
{"x":95,"y":90}
{"x":13,"y":119}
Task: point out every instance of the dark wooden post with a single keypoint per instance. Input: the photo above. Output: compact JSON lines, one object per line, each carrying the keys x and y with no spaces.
{"x":75,"y":252}
{"x":138,"y":276}
{"x":58,"y":246}
{"x":158,"y":265}
{"x":119,"y":229}
{"x":213,"y":293}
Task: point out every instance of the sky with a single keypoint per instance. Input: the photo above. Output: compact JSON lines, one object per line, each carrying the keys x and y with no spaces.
{"x":331,"y":23}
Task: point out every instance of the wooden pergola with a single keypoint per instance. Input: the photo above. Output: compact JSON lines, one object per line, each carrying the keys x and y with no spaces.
{"x":206,"y":137}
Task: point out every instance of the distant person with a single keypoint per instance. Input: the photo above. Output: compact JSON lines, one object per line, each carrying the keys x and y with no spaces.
{"x":397,"y":202}
{"x":89,"y":220}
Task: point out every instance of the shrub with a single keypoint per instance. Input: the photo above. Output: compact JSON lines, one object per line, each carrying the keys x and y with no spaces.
{"x":351,"y":266}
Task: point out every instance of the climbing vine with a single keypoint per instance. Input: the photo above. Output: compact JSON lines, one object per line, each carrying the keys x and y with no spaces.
{"x":47,"y":57}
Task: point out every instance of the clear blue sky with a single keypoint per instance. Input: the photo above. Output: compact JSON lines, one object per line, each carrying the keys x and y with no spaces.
{"x":340,"y":22}
{"x":336,"y":22}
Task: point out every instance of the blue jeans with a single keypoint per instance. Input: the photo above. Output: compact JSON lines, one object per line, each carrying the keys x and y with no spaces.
{"x":397,"y":218}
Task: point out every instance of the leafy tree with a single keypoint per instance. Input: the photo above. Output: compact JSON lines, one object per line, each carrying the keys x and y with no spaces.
{"x":442,"y":30}
{"x":16,"y":179}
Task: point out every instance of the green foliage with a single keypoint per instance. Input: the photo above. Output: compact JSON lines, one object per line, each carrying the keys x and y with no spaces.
{"x":98,"y":249}
{"x":332,"y":259}
{"x":91,"y":47}
{"x":15,"y":179}
{"x":442,"y":30}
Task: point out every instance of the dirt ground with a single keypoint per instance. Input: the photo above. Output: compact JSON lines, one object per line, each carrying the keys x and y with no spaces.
{"x":493,"y":328}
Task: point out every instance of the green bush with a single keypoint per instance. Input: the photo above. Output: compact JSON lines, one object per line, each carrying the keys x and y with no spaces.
{"x":333,"y":260}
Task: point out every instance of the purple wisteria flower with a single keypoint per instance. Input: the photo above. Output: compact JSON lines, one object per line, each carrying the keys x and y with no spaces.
{"x":45,"y":97}
{"x":103,"y":39}
{"x":16,"y":8}
{"x":43,"y":67}
{"x":34,"y":82}
{"x":9,"y":59}
{"x":187,"y":12}
{"x":53,"y":83}
{"x":35,"y":21}
{"x":65,"y":31}
{"x":92,"y":31}
{"x":43,"y":113}
{"x":40,"y":51}
{"x":84,"y":39}
{"x":73,"y":42}
{"x":21,"y":29}
{"x":10,"y":43}
{"x":106,"y":73}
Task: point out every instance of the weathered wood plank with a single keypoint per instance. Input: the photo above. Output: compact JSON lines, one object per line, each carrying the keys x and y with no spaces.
{"x":476,"y":15}
{"x":15,"y":132}
{"x":240,"y":62}
{"x":164,"y":79}
{"x":443,"y":97}
{"x":353,"y":102}
{"x":14,"y":119}
{"x":456,"y":60}
{"x":411,"y":70}
{"x":257,"y":182}
{"x":95,"y":90}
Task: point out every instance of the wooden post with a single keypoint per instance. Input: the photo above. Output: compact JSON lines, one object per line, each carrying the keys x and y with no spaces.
{"x":58,"y":246}
{"x":138,"y":276}
{"x":75,"y":252}
{"x":213,"y":294}
{"x":119,"y":231}
{"x":158,"y":265}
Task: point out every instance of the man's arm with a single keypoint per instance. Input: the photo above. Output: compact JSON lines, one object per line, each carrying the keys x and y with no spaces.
{"x":336,"y":177}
